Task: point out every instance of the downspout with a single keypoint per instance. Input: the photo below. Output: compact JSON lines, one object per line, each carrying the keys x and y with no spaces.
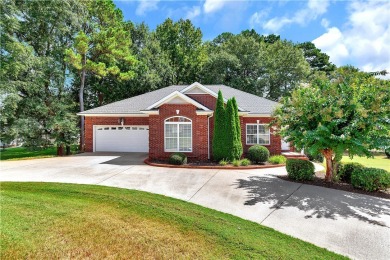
{"x":208,"y":136}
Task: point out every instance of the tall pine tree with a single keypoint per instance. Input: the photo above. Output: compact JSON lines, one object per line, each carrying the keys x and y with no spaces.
{"x":219,"y":129}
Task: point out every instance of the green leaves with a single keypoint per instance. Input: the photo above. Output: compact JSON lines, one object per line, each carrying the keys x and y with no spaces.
{"x":227,"y":131}
{"x":340,"y":116}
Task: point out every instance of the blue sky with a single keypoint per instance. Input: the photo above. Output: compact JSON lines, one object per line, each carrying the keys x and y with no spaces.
{"x":350,"y":32}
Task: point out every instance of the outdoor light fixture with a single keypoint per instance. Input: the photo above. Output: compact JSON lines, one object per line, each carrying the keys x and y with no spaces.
{"x":177,"y":112}
{"x":258,"y":121}
{"x":121,"y":120}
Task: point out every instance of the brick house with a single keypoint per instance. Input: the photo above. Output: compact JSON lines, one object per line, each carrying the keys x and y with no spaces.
{"x":176,"y":119}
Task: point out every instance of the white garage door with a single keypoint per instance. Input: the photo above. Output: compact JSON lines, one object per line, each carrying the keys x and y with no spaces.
{"x":132,"y":138}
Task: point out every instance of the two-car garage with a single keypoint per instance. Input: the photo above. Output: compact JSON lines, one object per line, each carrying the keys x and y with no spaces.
{"x":127,"y":138}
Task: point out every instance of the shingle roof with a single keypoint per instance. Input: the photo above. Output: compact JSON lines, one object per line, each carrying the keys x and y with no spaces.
{"x":249,"y":102}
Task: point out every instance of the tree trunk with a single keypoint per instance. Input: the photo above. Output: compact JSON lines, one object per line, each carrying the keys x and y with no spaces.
{"x":67,"y":149}
{"x":60,"y":150}
{"x":329,"y":164}
{"x":81,"y":100}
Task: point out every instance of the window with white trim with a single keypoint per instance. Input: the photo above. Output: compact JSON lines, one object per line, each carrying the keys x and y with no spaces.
{"x":258,"y":134}
{"x":178,"y":134}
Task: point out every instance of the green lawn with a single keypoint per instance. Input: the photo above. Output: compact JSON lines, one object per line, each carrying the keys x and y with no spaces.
{"x":379,"y":161}
{"x":44,"y":221}
{"x":20,"y":153}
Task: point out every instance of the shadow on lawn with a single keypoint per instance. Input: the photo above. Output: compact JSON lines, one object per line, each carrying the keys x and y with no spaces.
{"x":311,"y":200}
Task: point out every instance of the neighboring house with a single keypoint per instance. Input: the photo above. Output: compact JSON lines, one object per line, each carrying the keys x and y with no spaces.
{"x":176,"y":119}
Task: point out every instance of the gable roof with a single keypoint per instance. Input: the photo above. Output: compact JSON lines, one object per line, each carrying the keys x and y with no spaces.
{"x":137,"y":105}
{"x":176,"y":94}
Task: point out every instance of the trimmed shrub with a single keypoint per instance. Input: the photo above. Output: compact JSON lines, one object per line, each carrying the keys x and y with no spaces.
{"x":223,"y":162}
{"x":177,"y":159}
{"x":236,"y":163}
{"x":277,"y":159}
{"x":370,"y":179}
{"x":258,"y":153}
{"x":314,"y":157}
{"x":344,"y":170}
{"x":299,"y":169}
{"x":245,"y":162}
{"x":387,"y":152}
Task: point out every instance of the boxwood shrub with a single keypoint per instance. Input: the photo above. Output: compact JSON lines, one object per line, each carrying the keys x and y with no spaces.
{"x":344,"y":170}
{"x":299,"y":169}
{"x":258,"y":153}
{"x":177,"y":159}
{"x":370,"y":179}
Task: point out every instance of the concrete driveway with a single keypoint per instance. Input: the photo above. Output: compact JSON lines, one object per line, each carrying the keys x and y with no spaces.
{"x":350,"y":224}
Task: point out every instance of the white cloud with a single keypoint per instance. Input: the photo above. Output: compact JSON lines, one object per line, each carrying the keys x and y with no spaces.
{"x":325,"y":23}
{"x":213,"y":5}
{"x":333,"y":41}
{"x":145,"y":6}
{"x":257,"y":18}
{"x":193,"y":12}
{"x":312,"y":11}
{"x":365,"y":39}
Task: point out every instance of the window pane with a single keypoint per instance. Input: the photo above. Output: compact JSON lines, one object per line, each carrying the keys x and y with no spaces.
{"x":171,"y":130}
{"x":251,"y":139}
{"x":264,"y":139}
{"x":251,"y":129}
{"x":263,"y":129}
{"x":185,"y":144}
{"x":171,"y":143}
{"x":177,"y":119}
{"x":184,"y":130}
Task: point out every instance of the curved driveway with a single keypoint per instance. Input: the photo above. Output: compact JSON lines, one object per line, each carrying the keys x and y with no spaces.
{"x":350,"y":224}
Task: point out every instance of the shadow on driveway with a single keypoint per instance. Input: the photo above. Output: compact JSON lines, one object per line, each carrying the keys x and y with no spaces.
{"x":316,"y":201}
{"x":122,"y":159}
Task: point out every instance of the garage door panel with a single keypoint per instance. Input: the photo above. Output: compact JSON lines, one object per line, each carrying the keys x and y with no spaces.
{"x":122,"y":139}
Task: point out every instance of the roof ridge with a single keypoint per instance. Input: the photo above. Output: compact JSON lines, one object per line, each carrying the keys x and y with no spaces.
{"x":247,"y":93}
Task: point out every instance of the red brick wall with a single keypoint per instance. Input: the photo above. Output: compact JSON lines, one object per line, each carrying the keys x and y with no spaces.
{"x":91,"y":121}
{"x":204,"y":99}
{"x":199,"y":132}
{"x":275,"y":142}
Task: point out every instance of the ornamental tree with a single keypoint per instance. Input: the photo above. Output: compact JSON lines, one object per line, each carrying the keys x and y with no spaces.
{"x":332,"y":117}
{"x":233,"y":141}
{"x":219,"y":129}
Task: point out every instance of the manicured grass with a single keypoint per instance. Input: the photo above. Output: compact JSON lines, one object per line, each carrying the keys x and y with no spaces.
{"x":21,"y":153}
{"x":379,"y":161}
{"x":46,"y":220}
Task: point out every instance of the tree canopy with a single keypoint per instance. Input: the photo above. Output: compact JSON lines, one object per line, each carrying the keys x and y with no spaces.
{"x":61,"y":57}
{"x":350,"y":114}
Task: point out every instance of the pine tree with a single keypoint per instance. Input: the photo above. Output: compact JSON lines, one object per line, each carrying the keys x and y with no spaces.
{"x":219,"y":129}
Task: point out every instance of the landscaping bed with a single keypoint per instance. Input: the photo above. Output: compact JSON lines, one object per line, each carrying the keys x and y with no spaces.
{"x":211,"y":165}
{"x":319,"y":180}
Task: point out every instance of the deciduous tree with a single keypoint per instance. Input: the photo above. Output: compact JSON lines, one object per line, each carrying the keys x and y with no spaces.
{"x":333,"y":117}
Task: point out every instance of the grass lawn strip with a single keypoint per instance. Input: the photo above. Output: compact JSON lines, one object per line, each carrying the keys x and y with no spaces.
{"x":49,"y":220}
{"x":24,"y":153}
{"x":379,"y":161}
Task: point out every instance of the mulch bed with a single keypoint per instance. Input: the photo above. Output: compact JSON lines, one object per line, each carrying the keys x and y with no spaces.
{"x":211,"y":165}
{"x":319,"y":180}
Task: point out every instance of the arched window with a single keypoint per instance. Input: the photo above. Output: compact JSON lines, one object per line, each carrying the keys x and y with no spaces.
{"x":178,"y":134}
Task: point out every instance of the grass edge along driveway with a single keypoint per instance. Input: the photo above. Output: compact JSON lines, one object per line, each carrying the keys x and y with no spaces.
{"x":53,"y":220}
